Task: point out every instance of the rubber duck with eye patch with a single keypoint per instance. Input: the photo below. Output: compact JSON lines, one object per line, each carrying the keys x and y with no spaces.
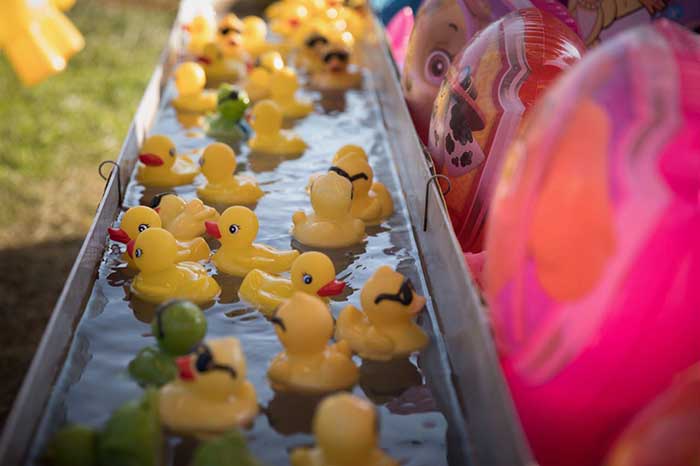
{"x":184,"y":219}
{"x":137,"y":219}
{"x":312,"y":273}
{"x":227,"y":124}
{"x":371,"y":201}
{"x":229,"y":38}
{"x":160,"y":165}
{"x":211,"y":394}
{"x":331,"y":225}
{"x":160,"y":278}
{"x":236,"y":229}
{"x":190,"y":80}
{"x":386,"y":329}
{"x":269,"y":137}
{"x":283,"y":93}
{"x":336,"y":73}
{"x":308,"y":364}
{"x":347,"y":434}
{"x":223,"y":187}
{"x":260,"y":77}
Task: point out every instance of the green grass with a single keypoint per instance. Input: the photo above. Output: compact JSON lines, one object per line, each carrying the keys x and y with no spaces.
{"x":52,"y":136}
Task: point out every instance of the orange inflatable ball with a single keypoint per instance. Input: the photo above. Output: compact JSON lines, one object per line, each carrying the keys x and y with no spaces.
{"x":488,"y":90}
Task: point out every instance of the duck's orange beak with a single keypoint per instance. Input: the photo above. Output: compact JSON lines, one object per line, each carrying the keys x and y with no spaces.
{"x":204,"y":60}
{"x":212,"y":229}
{"x":333,"y":288}
{"x":151,"y":160}
{"x":184,"y":368}
{"x":118,"y":235}
{"x":130,"y":248}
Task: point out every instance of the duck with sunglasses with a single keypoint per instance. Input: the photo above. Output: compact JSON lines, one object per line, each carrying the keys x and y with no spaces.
{"x":335,"y":71}
{"x":211,"y":393}
{"x":385,"y":329}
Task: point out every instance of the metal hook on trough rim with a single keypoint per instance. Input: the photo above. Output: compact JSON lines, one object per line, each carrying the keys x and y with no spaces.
{"x":106,"y":177}
{"x":433,"y":179}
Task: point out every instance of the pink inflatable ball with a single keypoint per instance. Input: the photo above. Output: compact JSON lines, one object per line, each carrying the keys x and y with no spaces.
{"x":594,"y":244}
{"x":398,"y":31}
{"x":667,"y":432}
{"x":489,"y":89}
{"x":441,"y":29}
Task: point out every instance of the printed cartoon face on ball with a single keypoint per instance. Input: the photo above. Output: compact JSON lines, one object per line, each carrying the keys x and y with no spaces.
{"x":488,"y":90}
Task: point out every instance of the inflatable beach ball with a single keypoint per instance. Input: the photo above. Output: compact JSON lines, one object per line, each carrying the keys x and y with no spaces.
{"x":488,"y":90}
{"x":593,"y":267}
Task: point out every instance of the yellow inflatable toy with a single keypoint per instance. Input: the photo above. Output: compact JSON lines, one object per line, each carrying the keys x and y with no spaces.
{"x":371,"y":201}
{"x":254,"y":36}
{"x":346,"y":432}
{"x":260,"y":77}
{"x":211,"y":394}
{"x":283,"y":93}
{"x":287,"y":17}
{"x":218,"y":68}
{"x":201,"y":32}
{"x":309,"y":41}
{"x":312,"y":273}
{"x":184,"y":219}
{"x":218,"y":164}
{"x":137,"y":219}
{"x":160,"y":165}
{"x":336,"y":72}
{"x":236,"y":229}
{"x":386,"y":329}
{"x":308,"y":364}
{"x":37,"y":37}
{"x":154,"y":252}
{"x":190,"y":80}
{"x":332,"y":224}
{"x":270,"y":138}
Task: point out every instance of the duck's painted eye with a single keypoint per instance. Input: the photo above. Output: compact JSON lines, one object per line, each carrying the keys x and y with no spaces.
{"x":138,"y":252}
{"x":234,"y":229}
{"x":172,"y":152}
{"x":307,"y":278}
{"x":143,"y":227}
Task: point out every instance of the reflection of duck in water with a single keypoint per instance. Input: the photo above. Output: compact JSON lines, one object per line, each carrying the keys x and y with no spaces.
{"x":383,"y":381}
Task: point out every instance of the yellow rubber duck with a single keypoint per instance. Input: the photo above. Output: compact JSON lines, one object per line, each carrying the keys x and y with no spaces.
{"x":283,"y":93}
{"x":312,"y":273}
{"x":236,"y":229}
{"x":218,"y":163}
{"x":309,"y":41}
{"x":211,"y":394}
{"x":184,"y":219}
{"x":260,"y":77}
{"x":287,"y":18}
{"x":254,"y":36}
{"x":336,"y":72}
{"x":190,"y":79}
{"x":331,"y":225}
{"x":201,"y":32}
{"x":137,"y":219}
{"x":346,"y":432}
{"x":38,"y":38}
{"x":308,"y":364}
{"x":371,"y":201}
{"x":269,"y":137}
{"x":229,"y":38}
{"x":161,"y":166}
{"x":217,"y":67}
{"x":386,"y":329}
{"x":154,"y":252}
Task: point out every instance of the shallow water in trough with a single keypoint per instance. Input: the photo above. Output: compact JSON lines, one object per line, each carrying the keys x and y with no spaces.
{"x":94,"y":381}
